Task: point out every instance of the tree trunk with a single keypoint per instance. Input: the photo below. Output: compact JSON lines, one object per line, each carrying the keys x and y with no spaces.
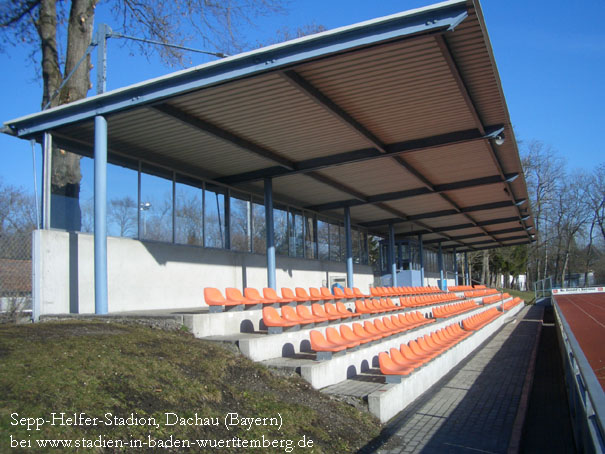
{"x":485,"y":267}
{"x":66,"y":175}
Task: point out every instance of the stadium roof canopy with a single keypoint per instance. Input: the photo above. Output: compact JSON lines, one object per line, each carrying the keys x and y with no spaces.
{"x":398,"y":118}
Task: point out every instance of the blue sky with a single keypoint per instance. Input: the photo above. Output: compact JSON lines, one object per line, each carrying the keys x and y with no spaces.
{"x":550,"y":55}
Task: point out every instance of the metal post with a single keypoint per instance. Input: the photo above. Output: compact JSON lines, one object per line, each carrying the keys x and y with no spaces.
{"x":100,"y":233}
{"x":270,"y":233}
{"x":47,"y":158}
{"x":442,"y":286}
{"x":455,"y":267}
{"x":466,"y":270}
{"x":102,"y":33}
{"x":392,"y":253}
{"x":421,"y":252}
{"x":349,"y":247}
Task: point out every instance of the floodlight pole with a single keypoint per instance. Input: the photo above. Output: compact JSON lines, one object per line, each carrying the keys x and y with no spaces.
{"x":103,"y":32}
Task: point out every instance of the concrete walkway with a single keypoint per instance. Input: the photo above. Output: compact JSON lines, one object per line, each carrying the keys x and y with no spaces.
{"x":474,"y":408}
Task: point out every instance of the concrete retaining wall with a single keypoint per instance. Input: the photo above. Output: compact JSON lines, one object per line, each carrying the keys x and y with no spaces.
{"x":148,"y":275}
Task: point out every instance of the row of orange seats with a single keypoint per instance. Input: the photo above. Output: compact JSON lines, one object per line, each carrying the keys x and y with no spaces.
{"x":351,"y":337}
{"x":301,"y":315}
{"x":426,"y":300}
{"x":454,"y":309}
{"x":512,"y":303}
{"x":460,"y":288}
{"x":478,"y":321}
{"x":482,"y":292}
{"x":376,"y":306}
{"x":418,"y":352}
{"x":381,"y":292}
{"x":251,"y":296}
{"x":495,"y":298}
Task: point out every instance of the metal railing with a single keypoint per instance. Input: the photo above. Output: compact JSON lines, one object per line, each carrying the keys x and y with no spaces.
{"x":585,"y":394}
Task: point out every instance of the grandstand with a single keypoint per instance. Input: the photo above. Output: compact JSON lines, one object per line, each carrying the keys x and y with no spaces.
{"x":295,"y":155}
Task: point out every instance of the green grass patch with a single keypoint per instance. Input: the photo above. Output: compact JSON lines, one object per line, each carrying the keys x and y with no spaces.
{"x":528,"y":297}
{"x":108,"y":371}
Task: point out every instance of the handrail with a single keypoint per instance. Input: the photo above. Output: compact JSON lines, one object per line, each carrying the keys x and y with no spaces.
{"x":589,"y":388}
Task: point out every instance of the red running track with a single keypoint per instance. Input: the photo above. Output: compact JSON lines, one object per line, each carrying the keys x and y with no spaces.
{"x":585,"y":314}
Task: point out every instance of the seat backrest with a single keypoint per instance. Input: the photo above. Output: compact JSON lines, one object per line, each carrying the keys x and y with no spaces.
{"x":349,"y":292}
{"x":333,"y":336}
{"x":341,"y":308}
{"x":301,"y":293}
{"x":318,"y":310}
{"x":360,"y":331}
{"x":315,"y":293}
{"x":347,"y":334}
{"x":252,"y":294}
{"x":338,"y":292}
{"x":370,"y":327}
{"x":326,"y":292}
{"x":331,"y":309}
{"x":317,"y":340}
{"x":361,"y":307}
{"x":270,"y":294}
{"x":270,"y":315}
{"x":289,"y":314}
{"x":233,"y":294}
{"x":288,"y":294}
{"x":213,"y":297}
{"x":303,"y":311}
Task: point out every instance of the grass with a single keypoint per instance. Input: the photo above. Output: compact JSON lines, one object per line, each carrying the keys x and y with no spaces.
{"x":528,"y":297}
{"x":122,"y":370}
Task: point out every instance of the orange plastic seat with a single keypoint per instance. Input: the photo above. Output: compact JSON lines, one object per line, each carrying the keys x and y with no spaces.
{"x":350,"y":293}
{"x":342,"y":309}
{"x":401,"y":360}
{"x":334,"y":337}
{"x":359,"y":330}
{"x":302,"y":293}
{"x":349,"y":335}
{"x":327,"y":295}
{"x":331,"y":310}
{"x":304,"y":313}
{"x":388,"y":367}
{"x":271,"y":294}
{"x":214,"y":297}
{"x":319,"y":311}
{"x":340,"y":294}
{"x":253,"y":295}
{"x":361,"y":308}
{"x":409,"y":354}
{"x":358,"y":293}
{"x":373,"y":330}
{"x":289,"y":295}
{"x":289,"y":313}
{"x":320,"y":344}
{"x":272,"y":318}
{"x":234,"y":294}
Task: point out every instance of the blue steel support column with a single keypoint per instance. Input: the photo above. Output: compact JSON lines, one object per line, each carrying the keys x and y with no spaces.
{"x":466,"y":270}
{"x":270,"y":234}
{"x":455,"y":267}
{"x":442,"y":285}
{"x":392,"y":254}
{"x":100,"y":240}
{"x":421,"y":252}
{"x":349,"y":245}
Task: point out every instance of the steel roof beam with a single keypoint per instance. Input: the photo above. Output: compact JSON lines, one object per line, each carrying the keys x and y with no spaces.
{"x":222,"y":134}
{"x":364,"y":154}
{"x":398,"y":195}
{"x":464,"y":91}
{"x":457,"y":227}
{"x":493,"y":246}
{"x":478,"y":235}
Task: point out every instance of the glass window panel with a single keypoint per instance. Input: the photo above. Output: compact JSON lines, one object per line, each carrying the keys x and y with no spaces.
{"x":335,"y":243}
{"x":364,"y":248}
{"x":214,"y":216}
{"x":355,"y":238}
{"x":156,"y":207}
{"x":280,"y":221}
{"x":122,"y":197}
{"x":310,"y":244}
{"x":87,"y":196}
{"x":240,"y":224}
{"x":189,"y":215}
{"x":259,"y":232}
{"x":66,"y":197}
{"x":323,"y":240}
{"x":296,"y":234}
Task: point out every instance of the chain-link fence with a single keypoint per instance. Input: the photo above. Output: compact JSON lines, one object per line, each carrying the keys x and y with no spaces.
{"x":15,"y":271}
{"x":17,"y":221}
